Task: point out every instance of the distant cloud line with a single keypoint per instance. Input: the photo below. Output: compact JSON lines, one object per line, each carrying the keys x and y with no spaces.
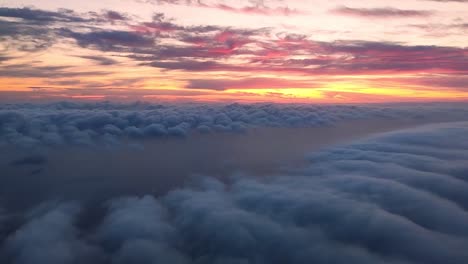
{"x":64,"y":123}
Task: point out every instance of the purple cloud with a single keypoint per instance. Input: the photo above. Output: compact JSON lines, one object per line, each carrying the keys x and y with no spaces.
{"x":383,"y":12}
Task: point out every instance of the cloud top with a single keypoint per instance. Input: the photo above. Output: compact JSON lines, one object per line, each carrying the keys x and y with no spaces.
{"x":106,"y":123}
{"x":395,"y":198}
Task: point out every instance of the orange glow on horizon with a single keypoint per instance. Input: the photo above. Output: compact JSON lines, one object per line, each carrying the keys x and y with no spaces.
{"x":337,"y":92}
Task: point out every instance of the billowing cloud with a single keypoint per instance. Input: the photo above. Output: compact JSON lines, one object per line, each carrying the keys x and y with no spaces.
{"x":399,"y":197}
{"x":85,"y":124}
{"x":49,"y":236}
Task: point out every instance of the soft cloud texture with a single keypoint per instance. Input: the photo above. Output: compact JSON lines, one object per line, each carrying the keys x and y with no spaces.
{"x":395,"y":198}
{"x":146,"y":55}
{"x":383,"y":12}
{"x":250,"y":7}
{"x":86,"y":124}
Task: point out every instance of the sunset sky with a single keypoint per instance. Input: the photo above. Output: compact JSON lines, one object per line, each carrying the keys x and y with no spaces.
{"x":316,"y":51}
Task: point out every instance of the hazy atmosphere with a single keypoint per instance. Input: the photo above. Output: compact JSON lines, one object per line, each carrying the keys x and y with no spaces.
{"x":233,"y":132}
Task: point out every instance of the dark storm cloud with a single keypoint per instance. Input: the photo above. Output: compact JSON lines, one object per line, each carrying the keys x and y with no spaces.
{"x":384,"y":12}
{"x":86,"y":124}
{"x":395,"y":198}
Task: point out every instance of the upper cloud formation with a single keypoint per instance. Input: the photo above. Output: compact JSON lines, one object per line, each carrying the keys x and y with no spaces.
{"x":396,"y":198}
{"x":171,"y":47}
{"x":110,"y":40}
{"x":28,"y":29}
{"x":254,"y":7}
{"x":261,"y":50}
{"x":383,"y":12}
{"x":40,"y":16}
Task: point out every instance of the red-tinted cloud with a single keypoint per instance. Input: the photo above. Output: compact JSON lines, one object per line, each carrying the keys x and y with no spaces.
{"x":221,"y":51}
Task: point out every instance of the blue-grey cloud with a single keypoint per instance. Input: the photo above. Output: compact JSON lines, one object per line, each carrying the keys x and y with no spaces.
{"x":381,"y":12}
{"x":30,"y":160}
{"x":109,"y":40}
{"x":200,"y":47}
{"x":31,"y":30}
{"x":88,"y":124}
{"x":40,"y":16}
{"x":49,"y":237}
{"x":395,"y":198}
{"x":101,"y":60}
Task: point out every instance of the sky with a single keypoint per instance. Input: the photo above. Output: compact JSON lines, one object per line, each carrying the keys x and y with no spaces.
{"x":335,"y":51}
{"x":233,"y":131}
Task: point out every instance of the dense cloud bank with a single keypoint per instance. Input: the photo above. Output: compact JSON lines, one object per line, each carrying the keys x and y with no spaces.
{"x":106,"y":123}
{"x":400,"y":197}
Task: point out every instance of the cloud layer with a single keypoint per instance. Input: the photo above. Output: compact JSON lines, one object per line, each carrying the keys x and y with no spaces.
{"x":105,"y":123}
{"x":212,"y":58}
{"x":384,"y":12}
{"x":396,"y":198}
